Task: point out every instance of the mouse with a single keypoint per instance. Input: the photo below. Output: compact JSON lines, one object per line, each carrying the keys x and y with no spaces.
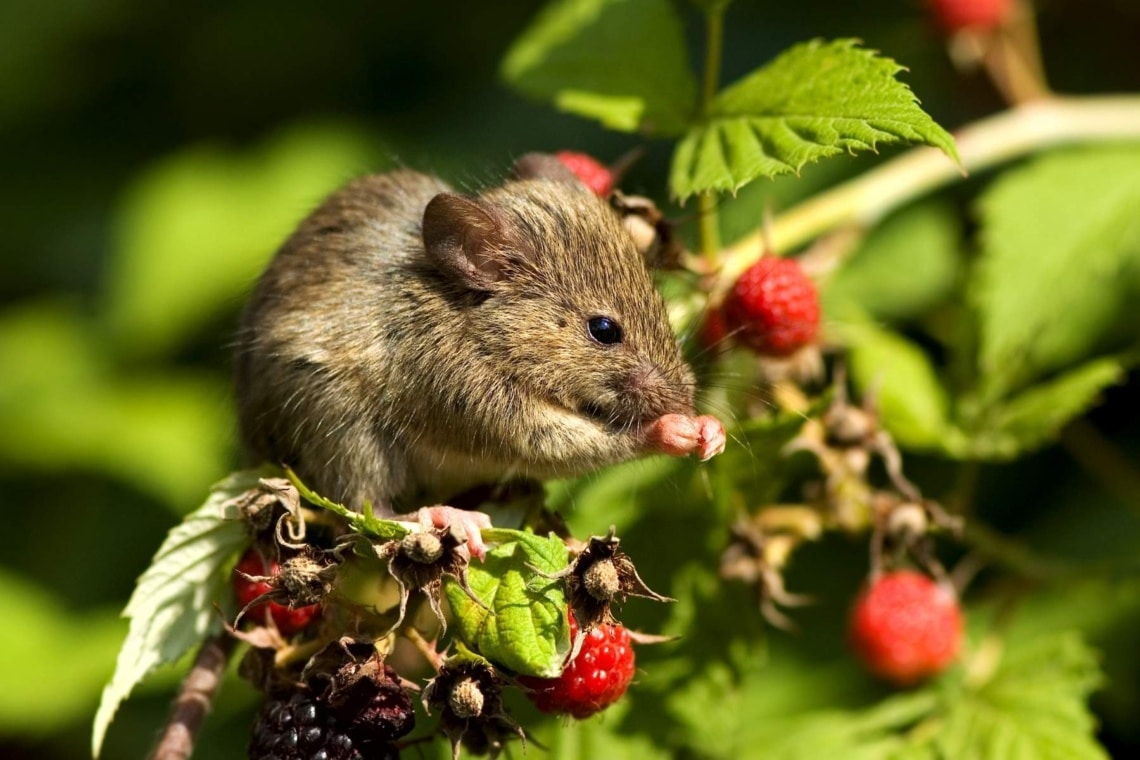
{"x":409,"y":342}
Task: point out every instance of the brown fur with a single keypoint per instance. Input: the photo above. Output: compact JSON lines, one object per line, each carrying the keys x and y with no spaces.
{"x":385,"y":371}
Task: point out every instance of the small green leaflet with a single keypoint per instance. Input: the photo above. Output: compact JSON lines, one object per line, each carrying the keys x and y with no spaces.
{"x":526,"y":629}
{"x":622,"y":62}
{"x":816,"y":100}
{"x":365,"y":523}
{"x":1059,"y":238}
{"x":172,"y":607}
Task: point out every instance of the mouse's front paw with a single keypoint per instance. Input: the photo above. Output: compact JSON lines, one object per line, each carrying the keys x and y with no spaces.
{"x":470,"y":522}
{"x":680,"y":435}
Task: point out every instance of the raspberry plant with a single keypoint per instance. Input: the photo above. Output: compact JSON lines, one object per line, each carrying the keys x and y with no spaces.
{"x":920,"y":352}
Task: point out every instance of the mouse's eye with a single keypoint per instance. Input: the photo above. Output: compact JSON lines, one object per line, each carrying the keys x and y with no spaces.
{"x":604,"y":330}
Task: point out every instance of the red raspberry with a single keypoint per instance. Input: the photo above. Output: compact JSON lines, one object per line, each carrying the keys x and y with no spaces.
{"x":288,"y":621}
{"x":905,"y":627}
{"x":593,"y":174}
{"x":597,"y":677}
{"x":773,"y":308}
{"x":955,"y":15}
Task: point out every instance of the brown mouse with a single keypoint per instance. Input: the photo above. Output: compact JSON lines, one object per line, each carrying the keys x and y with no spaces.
{"x":408,"y":343}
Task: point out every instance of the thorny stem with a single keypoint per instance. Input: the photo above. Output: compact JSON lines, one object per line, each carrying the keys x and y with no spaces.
{"x":426,"y":648}
{"x":709,"y":228}
{"x":194,"y":700}
{"x":986,"y":143}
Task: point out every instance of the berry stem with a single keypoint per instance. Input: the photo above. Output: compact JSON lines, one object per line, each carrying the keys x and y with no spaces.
{"x":709,"y":219}
{"x":991,"y":141}
{"x":1103,"y":462}
{"x":194,"y":699}
{"x":426,"y":648}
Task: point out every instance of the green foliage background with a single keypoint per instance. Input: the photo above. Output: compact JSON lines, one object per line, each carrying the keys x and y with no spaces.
{"x":152,"y":157}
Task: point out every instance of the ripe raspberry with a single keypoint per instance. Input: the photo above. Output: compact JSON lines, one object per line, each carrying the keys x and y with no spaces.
{"x":597,"y":677}
{"x":905,"y":627}
{"x":773,"y":308}
{"x":288,"y":621}
{"x":596,"y":176}
{"x":955,"y":15}
{"x":299,"y":728}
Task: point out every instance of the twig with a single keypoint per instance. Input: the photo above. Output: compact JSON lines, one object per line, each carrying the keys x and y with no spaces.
{"x":194,"y":699}
{"x":1103,"y":462}
{"x":1011,"y":134}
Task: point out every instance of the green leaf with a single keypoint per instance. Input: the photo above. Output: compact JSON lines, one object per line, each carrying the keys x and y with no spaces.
{"x":817,"y":99}
{"x":1030,"y":419}
{"x":1057,"y":236}
{"x":196,"y":229}
{"x":905,"y":266}
{"x":525,"y":629}
{"x":172,"y":607}
{"x":621,"y":62}
{"x":53,"y":662}
{"x":364,"y":522}
{"x":912,"y":402}
{"x":1032,"y":708}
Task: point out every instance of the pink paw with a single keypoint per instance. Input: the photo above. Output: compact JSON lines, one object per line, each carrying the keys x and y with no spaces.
{"x":680,"y":435}
{"x":471,"y":523}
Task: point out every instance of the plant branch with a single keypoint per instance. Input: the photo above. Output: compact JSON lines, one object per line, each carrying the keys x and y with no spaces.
{"x":709,"y":219}
{"x":194,"y":699}
{"x":1011,"y":134}
{"x":1105,"y":463}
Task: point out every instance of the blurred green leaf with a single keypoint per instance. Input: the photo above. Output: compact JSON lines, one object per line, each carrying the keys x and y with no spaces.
{"x":1033,"y":707}
{"x":67,"y":409}
{"x":905,"y":266}
{"x":53,"y":662}
{"x":1031,"y":418}
{"x":912,"y":402}
{"x":525,"y":627}
{"x":195,"y":230}
{"x":1056,"y":237}
{"x":173,"y":607}
{"x":622,"y":62}
{"x":816,"y":100}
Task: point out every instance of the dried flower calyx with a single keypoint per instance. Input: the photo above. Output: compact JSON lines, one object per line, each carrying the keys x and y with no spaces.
{"x":467,"y":694}
{"x":597,"y":578}
{"x":302,"y":580}
{"x":419,"y":561}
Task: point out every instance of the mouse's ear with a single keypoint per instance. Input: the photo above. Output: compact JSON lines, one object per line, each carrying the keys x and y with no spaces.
{"x":466,"y":239}
{"x":544,"y":166}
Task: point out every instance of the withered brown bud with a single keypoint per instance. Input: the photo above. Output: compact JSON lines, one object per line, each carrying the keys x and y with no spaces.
{"x":907,"y":521}
{"x":424,"y":548}
{"x":600,"y":576}
{"x":467,"y":694}
{"x":466,"y":700}
{"x":601,"y":580}
{"x":305,"y":579}
{"x":419,"y":561}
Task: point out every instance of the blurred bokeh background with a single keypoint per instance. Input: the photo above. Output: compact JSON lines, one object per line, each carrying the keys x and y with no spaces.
{"x":152,"y":155}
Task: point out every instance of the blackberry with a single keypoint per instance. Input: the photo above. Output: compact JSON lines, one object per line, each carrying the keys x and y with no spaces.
{"x":301,"y":728}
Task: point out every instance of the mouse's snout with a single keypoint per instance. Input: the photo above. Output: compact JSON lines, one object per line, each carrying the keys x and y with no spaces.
{"x":652,"y":393}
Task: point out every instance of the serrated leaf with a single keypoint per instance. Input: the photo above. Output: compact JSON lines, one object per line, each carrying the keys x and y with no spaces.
{"x":621,"y":62}
{"x":913,"y":404}
{"x":1057,"y":235}
{"x":817,"y":99}
{"x":172,"y":607}
{"x":365,"y":522}
{"x":1033,"y":707}
{"x":907,"y":264}
{"x":525,"y":629}
{"x":1031,"y":418}
{"x":197,"y":227}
